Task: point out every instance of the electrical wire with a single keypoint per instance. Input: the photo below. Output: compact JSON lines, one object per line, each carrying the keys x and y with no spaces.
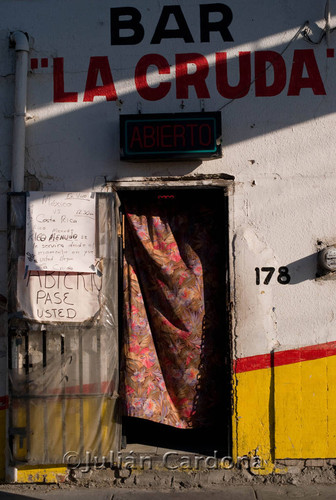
{"x":303,"y":30}
{"x":325,"y":31}
{"x":323,"y":34}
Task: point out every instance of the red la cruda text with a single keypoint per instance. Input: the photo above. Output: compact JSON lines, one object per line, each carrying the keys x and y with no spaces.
{"x":265,"y":73}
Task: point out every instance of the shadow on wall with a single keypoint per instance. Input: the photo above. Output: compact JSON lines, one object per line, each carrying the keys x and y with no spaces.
{"x":250,"y":108}
{"x":303,"y":269}
{"x":272,"y":410}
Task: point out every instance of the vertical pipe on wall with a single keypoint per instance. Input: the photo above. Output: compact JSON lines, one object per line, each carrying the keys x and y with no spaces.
{"x":21,"y":44}
{"x":327,"y":18}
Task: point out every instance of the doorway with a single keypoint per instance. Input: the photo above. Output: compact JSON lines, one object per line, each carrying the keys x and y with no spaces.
{"x":175,"y":335}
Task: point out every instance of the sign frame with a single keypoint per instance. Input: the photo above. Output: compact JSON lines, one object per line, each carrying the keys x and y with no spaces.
{"x":189,"y":132}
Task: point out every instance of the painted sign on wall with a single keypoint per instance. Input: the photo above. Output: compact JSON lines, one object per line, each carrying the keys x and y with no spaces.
{"x":267,"y":72}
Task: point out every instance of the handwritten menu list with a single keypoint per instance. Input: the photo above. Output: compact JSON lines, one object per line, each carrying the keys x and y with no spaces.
{"x":60,"y":232}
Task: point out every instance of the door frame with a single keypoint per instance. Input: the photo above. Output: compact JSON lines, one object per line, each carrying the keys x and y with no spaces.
{"x":222,"y":182}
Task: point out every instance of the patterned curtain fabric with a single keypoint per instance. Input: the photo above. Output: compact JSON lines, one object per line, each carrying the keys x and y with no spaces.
{"x":168,"y":246}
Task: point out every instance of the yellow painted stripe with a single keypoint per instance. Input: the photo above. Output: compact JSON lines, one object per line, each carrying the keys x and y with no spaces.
{"x":305,"y":404}
{"x":288,"y":411}
{"x":252,"y":413}
{"x":41,"y":474}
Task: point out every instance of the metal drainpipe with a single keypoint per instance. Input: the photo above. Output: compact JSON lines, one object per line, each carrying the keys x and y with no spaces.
{"x":21,"y":43}
{"x":327,"y":18}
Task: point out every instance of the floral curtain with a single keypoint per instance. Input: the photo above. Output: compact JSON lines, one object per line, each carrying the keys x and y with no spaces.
{"x":170,"y":325}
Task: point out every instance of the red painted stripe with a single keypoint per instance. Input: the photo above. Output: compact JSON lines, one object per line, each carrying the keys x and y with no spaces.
{"x":105,"y":388}
{"x":3,"y":402}
{"x":34,"y":63}
{"x":288,"y":357}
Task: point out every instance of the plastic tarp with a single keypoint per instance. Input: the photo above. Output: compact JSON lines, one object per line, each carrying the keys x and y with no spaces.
{"x":63,"y":337}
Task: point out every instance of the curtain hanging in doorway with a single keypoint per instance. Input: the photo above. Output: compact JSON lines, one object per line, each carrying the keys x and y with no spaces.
{"x":163,"y":345}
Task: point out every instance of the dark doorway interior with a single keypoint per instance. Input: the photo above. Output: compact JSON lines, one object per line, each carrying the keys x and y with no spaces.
{"x":204,"y":216}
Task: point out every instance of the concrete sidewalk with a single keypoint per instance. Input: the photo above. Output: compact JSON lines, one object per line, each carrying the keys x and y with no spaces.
{"x":269,"y":492}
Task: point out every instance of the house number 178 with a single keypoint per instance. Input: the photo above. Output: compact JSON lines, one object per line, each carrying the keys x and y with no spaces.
{"x":283,"y":275}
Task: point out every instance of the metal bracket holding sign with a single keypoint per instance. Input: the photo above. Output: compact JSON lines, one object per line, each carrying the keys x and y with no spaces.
{"x":171,"y":136}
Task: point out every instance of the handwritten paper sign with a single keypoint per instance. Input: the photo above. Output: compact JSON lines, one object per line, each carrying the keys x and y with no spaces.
{"x":54,"y":296}
{"x":60,"y":232}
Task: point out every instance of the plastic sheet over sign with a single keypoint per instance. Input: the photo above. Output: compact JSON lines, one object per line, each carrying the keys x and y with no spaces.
{"x":64,"y":375}
{"x":55,"y":296}
{"x":60,"y":231}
